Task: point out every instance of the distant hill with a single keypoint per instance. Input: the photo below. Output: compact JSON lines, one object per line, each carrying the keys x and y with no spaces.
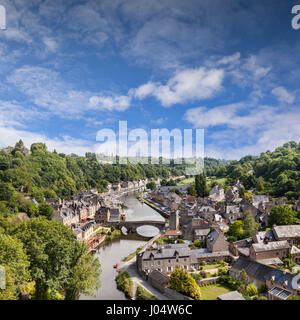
{"x":277,"y":172}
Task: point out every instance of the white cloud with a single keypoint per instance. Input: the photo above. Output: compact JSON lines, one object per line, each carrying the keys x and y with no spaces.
{"x":185,"y":86}
{"x":233,"y":59}
{"x":117,"y":103}
{"x":283,"y":95}
{"x":240,"y":129}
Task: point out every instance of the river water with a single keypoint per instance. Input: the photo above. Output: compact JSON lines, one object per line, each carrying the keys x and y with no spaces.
{"x":113,"y":252}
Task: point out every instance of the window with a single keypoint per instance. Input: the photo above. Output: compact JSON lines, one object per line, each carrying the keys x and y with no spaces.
{"x":177,"y":260}
{"x":169,"y":269}
{"x":169,"y":261}
{"x":158,"y":263}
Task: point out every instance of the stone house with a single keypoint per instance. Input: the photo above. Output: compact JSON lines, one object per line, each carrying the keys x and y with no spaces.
{"x":164,"y":259}
{"x":159,"y":280}
{"x":84,"y":231}
{"x":291,"y":233}
{"x":272,"y":251}
{"x":276,"y":280}
{"x":102,"y":215}
{"x":217,"y":194}
{"x":216,"y":241}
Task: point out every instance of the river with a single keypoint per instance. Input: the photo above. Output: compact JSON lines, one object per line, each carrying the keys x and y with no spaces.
{"x":113,"y":252}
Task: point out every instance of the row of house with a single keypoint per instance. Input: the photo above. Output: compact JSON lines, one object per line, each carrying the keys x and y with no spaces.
{"x":270,"y":247}
{"x":166,"y":257}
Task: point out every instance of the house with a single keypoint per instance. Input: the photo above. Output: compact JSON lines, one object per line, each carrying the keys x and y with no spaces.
{"x":102,"y":215}
{"x":115,"y":214}
{"x":84,"y":231}
{"x":260,"y":275}
{"x":295,"y":252}
{"x":276,"y":250}
{"x":116,"y":186}
{"x":233,"y":295}
{"x":232,"y":213}
{"x":207,"y":212}
{"x":217,"y":194}
{"x":173,"y":234}
{"x":259,"y":199}
{"x":67,"y":216}
{"x":291,"y":233}
{"x":201,"y":234}
{"x":216,"y":241}
{"x":164,"y":259}
{"x":159,"y":280}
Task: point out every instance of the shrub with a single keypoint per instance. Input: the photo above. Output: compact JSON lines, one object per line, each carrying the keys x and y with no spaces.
{"x":252,"y":290}
{"x":125,"y":284}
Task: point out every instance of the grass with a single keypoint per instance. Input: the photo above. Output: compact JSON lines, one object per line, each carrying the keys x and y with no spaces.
{"x":188,"y":181}
{"x":211,"y":292}
{"x":143,"y":294}
{"x":133,"y":254}
{"x":210,"y":266}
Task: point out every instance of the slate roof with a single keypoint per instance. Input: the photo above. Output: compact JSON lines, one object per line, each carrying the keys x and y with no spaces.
{"x":275,"y":245}
{"x":233,"y":295}
{"x":260,"y":236}
{"x":167,"y":251}
{"x":202,"y":232}
{"x":159,"y":277}
{"x":262,"y":272}
{"x":291,"y":231}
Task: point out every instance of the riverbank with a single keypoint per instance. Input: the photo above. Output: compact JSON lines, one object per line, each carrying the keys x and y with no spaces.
{"x":156,"y":208}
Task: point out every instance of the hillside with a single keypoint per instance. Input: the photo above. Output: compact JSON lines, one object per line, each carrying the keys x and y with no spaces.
{"x":277,"y":172}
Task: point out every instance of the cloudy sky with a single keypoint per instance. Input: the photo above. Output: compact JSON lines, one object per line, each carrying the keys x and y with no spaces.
{"x":71,"y":68}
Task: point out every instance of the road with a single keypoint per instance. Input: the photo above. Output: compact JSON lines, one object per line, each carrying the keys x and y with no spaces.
{"x":131,"y":269}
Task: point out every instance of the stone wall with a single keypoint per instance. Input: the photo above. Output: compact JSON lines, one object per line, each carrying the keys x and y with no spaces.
{"x":207,"y":281}
{"x":174,"y":295}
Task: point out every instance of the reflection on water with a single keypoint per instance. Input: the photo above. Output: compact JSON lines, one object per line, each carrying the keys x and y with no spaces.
{"x":137,"y":211}
{"x":147,"y":231}
{"x":113,"y":252}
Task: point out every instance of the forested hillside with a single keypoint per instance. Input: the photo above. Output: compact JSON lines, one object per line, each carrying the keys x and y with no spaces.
{"x":277,"y":172}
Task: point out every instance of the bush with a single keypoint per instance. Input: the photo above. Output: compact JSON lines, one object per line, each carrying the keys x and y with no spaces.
{"x":125,"y":284}
{"x":229,"y":282}
{"x":252,"y":290}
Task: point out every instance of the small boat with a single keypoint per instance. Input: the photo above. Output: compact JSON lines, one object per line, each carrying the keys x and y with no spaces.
{"x":116,"y":266}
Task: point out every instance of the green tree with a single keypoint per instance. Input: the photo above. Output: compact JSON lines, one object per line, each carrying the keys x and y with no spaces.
{"x":6,"y":191}
{"x":201,"y":185}
{"x":281,"y":215}
{"x":293,"y":297}
{"x":15,"y":261}
{"x":53,"y":253}
{"x":46,"y":210}
{"x":84,"y":277}
{"x":236,"y":229}
{"x":249,"y":224}
{"x":151,"y":185}
{"x":243,"y":280}
{"x":181,"y":281}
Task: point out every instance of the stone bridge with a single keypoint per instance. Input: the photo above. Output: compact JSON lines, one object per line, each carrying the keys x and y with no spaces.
{"x":133,"y":225}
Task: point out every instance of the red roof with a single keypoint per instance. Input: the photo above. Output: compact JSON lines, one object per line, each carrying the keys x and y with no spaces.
{"x":174,"y":233}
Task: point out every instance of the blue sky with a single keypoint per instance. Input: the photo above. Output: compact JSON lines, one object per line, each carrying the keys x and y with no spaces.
{"x":71,"y":68}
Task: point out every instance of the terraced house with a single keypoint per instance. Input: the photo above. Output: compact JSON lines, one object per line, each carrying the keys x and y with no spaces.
{"x":164,"y":259}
